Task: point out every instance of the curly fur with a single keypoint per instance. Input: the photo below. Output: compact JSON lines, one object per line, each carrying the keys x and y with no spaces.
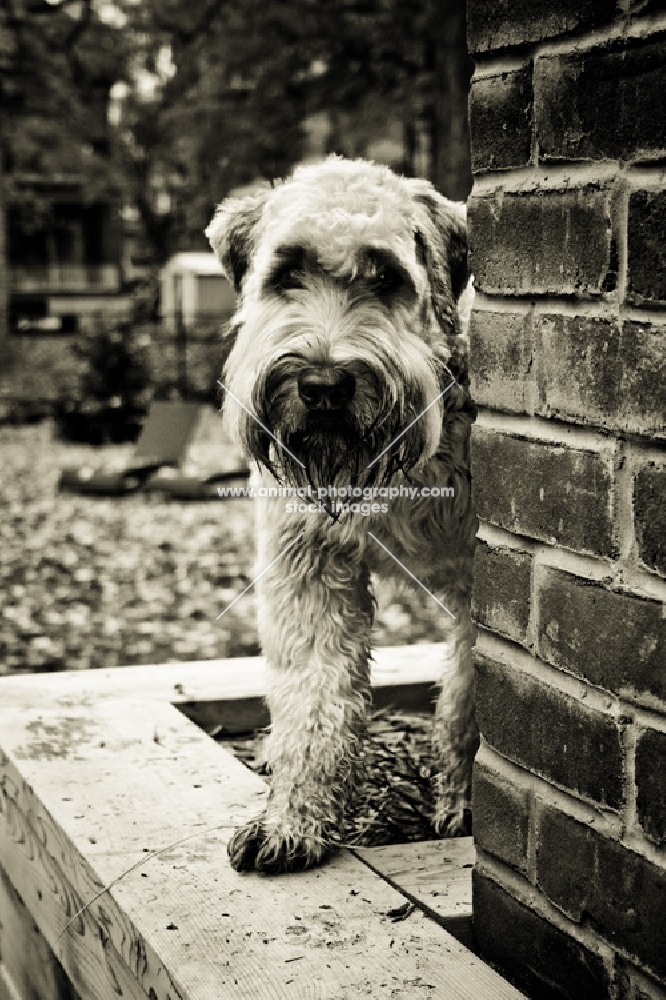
{"x":308,"y":258}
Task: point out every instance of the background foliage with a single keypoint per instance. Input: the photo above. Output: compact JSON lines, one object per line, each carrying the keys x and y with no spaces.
{"x":169,"y":104}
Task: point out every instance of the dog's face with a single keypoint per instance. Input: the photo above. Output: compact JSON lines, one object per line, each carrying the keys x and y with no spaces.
{"x":347,"y":325}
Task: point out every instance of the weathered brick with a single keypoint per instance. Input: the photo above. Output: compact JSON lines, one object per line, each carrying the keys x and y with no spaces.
{"x":493,"y":25}
{"x":501,"y":817}
{"x":617,"y":641}
{"x":542,"y":961}
{"x":502,"y":361}
{"x":593,"y":371}
{"x":651,"y":784}
{"x":545,"y":491}
{"x":650,"y":516}
{"x":579,"y":368}
{"x":549,"y":732}
{"x":543,"y":242}
{"x":647,"y":247}
{"x":587,"y":369}
{"x":642,"y":406}
{"x":597,"y":880}
{"x":500,"y":110}
{"x":605,"y":102}
{"x":501,"y":596}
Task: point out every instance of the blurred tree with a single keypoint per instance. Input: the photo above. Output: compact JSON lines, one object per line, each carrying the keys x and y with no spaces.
{"x":217,"y":100}
{"x":173,"y":103}
{"x":235,"y":86}
{"x":406,"y":61}
{"x":58,"y":61}
{"x":114,"y":386}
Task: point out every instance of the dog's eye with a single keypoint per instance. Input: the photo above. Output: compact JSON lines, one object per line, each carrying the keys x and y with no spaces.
{"x":286,"y":278}
{"x":386,"y":280}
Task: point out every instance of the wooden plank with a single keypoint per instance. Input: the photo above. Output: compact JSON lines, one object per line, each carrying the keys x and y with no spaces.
{"x":436,"y":876}
{"x":8,"y":990}
{"x":229,"y":693}
{"x":211,"y":680}
{"x":227,"y":715}
{"x":127,"y":793}
{"x":28,"y":967}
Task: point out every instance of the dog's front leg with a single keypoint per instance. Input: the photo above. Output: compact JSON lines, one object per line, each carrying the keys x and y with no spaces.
{"x":455,"y":735}
{"x":315,"y":615}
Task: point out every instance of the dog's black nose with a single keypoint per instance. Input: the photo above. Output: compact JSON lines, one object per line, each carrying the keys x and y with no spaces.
{"x":326,"y":389}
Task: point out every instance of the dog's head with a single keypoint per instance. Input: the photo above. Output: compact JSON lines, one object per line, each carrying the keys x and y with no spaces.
{"x":351,"y":322}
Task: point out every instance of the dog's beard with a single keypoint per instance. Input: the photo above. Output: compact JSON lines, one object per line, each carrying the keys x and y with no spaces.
{"x":332,"y":450}
{"x":336,"y":452}
{"x":384,"y":429}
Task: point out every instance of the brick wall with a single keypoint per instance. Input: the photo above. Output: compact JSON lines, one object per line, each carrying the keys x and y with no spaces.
{"x":568,"y":241}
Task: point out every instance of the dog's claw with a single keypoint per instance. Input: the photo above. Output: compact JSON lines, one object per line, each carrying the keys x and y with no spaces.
{"x":254,"y":848}
{"x":244,"y":846}
{"x":453,"y":824}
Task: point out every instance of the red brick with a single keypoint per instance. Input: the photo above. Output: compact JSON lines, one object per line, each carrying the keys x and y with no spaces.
{"x":599,"y":881}
{"x":543,"y":242}
{"x":651,"y":784}
{"x":500,"y":109}
{"x":542,"y":961}
{"x":502,"y":360}
{"x":501,"y":817}
{"x":501,"y":596}
{"x":647,"y":247}
{"x":549,"y":732}
{"x":493,"y":25}
{"x":545,"y":491}
{"x":605,"y":102}
{"x":617,"y":641}
{"x":650,"y":516}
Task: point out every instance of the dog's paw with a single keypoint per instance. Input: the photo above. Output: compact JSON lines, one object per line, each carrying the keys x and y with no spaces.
{"x":257,"y":848}
{"x":244,"y":846}
{"x":449,"y":822}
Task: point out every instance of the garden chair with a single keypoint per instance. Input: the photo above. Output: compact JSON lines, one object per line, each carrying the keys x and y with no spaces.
{"x":163,"y":444}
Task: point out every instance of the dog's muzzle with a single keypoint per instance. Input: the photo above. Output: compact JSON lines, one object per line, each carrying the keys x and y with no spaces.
{"x":323,"y":388}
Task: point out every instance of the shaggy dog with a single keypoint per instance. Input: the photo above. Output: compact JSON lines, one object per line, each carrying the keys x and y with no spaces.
{"x":347,"y":378}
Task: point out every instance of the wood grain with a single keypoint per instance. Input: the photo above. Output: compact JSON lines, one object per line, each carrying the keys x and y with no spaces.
{"x":210,"y":680}
{"x":436,"y":876}
{"x":120,"y":789}
{"x":28,"y":968}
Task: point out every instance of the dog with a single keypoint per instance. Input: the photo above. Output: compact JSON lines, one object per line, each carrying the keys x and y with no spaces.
{"x":349,"y":371}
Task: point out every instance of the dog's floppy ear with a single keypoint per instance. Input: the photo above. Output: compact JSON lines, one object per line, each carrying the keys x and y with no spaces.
{"x":441,"y":240}
{"x":441,"y":233}
{"x":231,"y":233}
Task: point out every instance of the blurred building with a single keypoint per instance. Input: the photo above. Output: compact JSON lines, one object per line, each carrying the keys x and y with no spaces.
{"x":193,"y":288}
{"x":65,"y":261}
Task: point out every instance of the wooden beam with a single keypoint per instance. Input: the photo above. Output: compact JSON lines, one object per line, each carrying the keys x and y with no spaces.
{"x":208,"y":680}
{"x":229,"y":693}
{"x":114,"y":816}
{"x":436,"y":876}
{"x":28,"y":967}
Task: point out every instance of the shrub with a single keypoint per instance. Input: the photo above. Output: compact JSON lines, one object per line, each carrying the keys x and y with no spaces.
{"x":35,"y":372}
{"x":113,"y":390}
